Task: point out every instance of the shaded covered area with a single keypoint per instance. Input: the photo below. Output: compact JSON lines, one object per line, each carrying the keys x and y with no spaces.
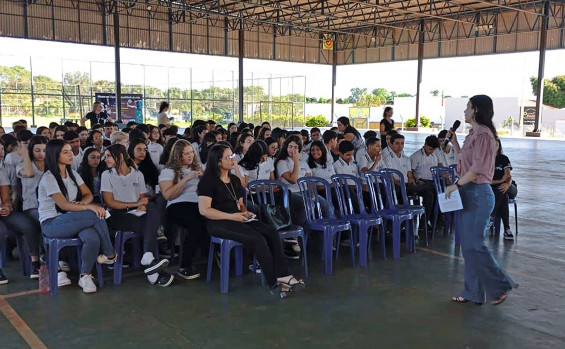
{"x":392,"y":303}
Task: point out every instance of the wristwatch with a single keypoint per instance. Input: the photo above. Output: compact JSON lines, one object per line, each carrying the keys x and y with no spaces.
{"x":457,"y":183}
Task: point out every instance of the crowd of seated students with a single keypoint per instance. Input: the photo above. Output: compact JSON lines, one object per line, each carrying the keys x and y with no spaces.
{"x":59,"y":182}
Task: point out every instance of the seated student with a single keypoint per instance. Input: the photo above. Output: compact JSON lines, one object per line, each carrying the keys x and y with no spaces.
{"x":501,"y":183}
{"x":82,"y":136}
{"x":264,"y":133}
{"x":43,"y":131}
{"x":96,"y":140}
{"x":3,"y":233}
{"x":370,"y":159}
{"x":243,"y":145}
{"x":108,"y":130}
{"x":30,"y":171}
{"x":65,"y":211}
{"x":402,"y":163}
{"x":52,"y":127}
{"x":220,"y":201}
{"x":368,"y":135}
{"x":208,"y":142}
{"x":330,"y":141}
{"x":120,"y":137}
{"x":90,"y":170}
{"x":421,"y":161}
{"x":279,"y":135}
{"x":170,"y":132}
{"x":255,"y":165}
{"x":346,"y":165}
{"x":318,"y":161}
{"x":13,"y":159}
{"x":289,"y":169}
{"x":155,"y":146}
{"x":179,"y":181}
{"x":167,"y":151}
{"x":305,"y":135}
{"x":72,"y":138}
{"x":387,"y":151}
{"x":123,"y":188}
{"x":447,"y":154}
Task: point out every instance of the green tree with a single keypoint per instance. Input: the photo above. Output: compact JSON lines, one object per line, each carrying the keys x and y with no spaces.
{"x":553,"y":90}
{"x":356,"y":94}
{"x":434,"y":93}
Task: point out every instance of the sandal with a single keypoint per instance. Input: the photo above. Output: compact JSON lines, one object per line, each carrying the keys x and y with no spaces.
{"x":459,"y":299}
{"x":291,"y":286}
{"x":500,"y":299}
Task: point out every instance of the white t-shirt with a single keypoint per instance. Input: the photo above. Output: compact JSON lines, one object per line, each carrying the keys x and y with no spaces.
{"x":10,"y":162}
{"x":155,"y":151}
{"x":421,"y":164}
{"x":4,"y":180}
{"x":48,"y":186}
{"x":325,"y":173}
{"x":262,"y":172}
{"x":287,"y":165}
{"x":77,"y":159}
{"x":189,"y":192}
{"x":124,"y":188}
{"x":29,"y":186}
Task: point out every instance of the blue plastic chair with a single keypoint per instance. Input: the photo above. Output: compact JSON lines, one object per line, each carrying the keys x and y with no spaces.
{"x":440,"y":175}
{"x":397,"y":216}
{"x":120,"y":240}
{"x":225,"y":250}
{"x":393,"y":203}
{"x":362,"y":221}
{"x":25,"y":258}
{"x":53,"y":246}
{"x":315,"y":221}
{"x":263,"y":192}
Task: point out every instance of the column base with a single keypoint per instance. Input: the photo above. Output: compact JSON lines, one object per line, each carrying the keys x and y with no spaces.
{"x":533,"y":134}
{"x":412,"y":128}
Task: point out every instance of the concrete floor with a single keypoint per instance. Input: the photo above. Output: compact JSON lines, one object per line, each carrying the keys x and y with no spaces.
{"x":391,"y":304}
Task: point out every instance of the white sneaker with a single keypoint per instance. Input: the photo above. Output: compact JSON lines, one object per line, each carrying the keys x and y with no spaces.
{"x":64,"y":266}
{"x":87,"y":284}
{"x":102,"y":259}
{"x":62,"y":279}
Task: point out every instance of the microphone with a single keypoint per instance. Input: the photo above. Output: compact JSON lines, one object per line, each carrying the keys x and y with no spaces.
{"x":454,"y":128}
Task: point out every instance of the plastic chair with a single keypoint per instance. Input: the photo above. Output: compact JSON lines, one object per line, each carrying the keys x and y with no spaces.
{"x":393,"y":203}
{"x":315,"y":221}
{"x":363,"y":221}
{"x":397,"y":216}
{"x":225,"y":250}
{"x":263,"y":192}
{"x":120,"y":240}
{"x":53,"y":246}
{"x":439,"y":174}
{"x":25,"y":258}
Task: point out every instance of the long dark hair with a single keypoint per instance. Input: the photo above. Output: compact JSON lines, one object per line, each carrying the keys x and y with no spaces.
{"x":147,"y":167}
{"x":387,"y":109}
{"x":283,"y":152}
{"x":214,"y":157}
{"x":90,"y":139}
{"x":151,"y":128}
{"x":348,"y":128}
{"x":195,"y":131}
{"x":239,"y":147}
{"x":323,"y":160}
{"x":116,"y":150}
{"x":499,"y":152}
{"x":251,"y":160}
{"x":484,"y":111}
{"x":167,"y":150}
{"x":35,"y":140}
{"x":205,"y":148}
{"x":84,"y":169}
{"x":52,"y":152}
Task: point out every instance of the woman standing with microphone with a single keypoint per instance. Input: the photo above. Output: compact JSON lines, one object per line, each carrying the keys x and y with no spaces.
{"x":484,"y":279}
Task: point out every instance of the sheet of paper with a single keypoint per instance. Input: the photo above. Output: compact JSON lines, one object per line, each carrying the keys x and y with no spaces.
{"x":137,"y":213}
{"x":452,"y":204}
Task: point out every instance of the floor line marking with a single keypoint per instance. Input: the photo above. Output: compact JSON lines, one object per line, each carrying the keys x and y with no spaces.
{"x":18,"y":294}
{"x":19,"y":324}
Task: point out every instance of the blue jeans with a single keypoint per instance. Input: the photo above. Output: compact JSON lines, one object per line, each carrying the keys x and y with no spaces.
{"x":92,"y":230}
{"x":484,"y":279}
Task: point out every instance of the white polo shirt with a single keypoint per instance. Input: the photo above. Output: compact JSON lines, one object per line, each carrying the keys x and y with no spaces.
{"x":155,"y":151}
{"x":400,"y":163}
{"x":421,"y":164}
{"x":365,"y":161}
{"x":77,"y":159}
{"x":124,"y":188}
{"x":451,"y":158}
{"x":287,"y":165}
{"x":325,"y":173}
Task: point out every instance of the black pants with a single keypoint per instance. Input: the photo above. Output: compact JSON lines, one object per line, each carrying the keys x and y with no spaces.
{"x":427,"y":192}
{"x":145,"y":225}
{"x":501,"y":206}
{"x":186,"y":215}
{"x":259,"y":239}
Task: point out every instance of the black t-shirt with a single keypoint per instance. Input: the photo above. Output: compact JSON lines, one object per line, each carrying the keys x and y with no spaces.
{"x":219,"y":191}
{"x":500,"y":164}
{"x":388,"y":126}
{"x":97,"y":119}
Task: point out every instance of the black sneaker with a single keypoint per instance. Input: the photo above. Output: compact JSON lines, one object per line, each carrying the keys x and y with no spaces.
{"x":3,"y":278}
{"x":257,"y":267}
{"x":125,"y":265}
{"x":34,"y":270}
{"x":508,"y":235}
{"x":188,"y":273}
{"x":155,"y":266}
{"x":290,"y":253}
{"x":164,"y":279}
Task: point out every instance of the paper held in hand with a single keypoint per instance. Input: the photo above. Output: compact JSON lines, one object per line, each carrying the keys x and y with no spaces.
{"x":137,"y":213}
{"x":452,"y":204}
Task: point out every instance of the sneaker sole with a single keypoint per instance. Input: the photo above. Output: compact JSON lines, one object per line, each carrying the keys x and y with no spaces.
{"x":3,"y":282}
{"x":191,"y":277}
{"x":163,"y":263}
{"x":67,"y":283}
{"x":293,"y":257}
{"x":87,"y":291}
{"x":168,"y":282}
{"x":34,"y":276}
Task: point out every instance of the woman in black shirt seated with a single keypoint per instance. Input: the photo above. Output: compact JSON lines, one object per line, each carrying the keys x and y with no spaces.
{"x":502,"y":187}
{"x":220,"y":201}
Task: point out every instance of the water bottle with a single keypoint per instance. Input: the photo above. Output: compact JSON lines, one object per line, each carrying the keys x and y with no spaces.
{"x":43,"y":279}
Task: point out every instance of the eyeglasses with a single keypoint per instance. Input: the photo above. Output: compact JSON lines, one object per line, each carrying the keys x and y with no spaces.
{"x":229,"y":157}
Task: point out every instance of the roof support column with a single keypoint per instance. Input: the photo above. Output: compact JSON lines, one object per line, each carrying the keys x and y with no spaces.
{"x":117,"y":62}
{"x":241,"y":42}
{"x":334,"y":79}
{"x":541,"y":70}
{"x":419,"y":77}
